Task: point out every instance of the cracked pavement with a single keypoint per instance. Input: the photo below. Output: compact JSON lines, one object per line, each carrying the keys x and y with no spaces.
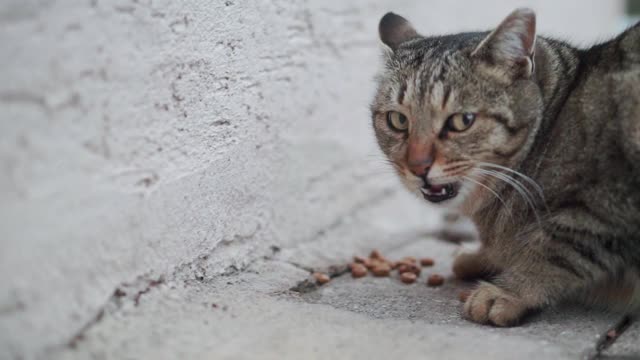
{"x":271,"y":310}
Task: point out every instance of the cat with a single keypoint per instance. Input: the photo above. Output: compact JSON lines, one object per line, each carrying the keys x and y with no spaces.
{"x":536,"y":141}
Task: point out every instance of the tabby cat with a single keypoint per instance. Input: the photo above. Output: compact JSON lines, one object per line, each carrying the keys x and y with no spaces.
{"x":538,"y":142}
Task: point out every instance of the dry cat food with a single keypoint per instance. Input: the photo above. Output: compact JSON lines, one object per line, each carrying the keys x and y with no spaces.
{"x":380,"y":268}
{"x":375,"y":254}
{"x":408,"y":277}
{"x":358,"y":270}
{"x":369,"y":264}
{"x":321,"y":278}
{"x":426,"y":262}
{"x":435,"y":280}
{"x":412,"y":268}
{"x":408,"y":268}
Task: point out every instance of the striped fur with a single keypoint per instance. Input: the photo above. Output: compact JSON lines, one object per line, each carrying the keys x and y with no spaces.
{"x":550,"y":170}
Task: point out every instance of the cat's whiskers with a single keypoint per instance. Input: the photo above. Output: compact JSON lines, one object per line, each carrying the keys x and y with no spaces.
{"x":529,"y":180}
{"x":517,"y":186}
{"x":469,"y":178}
{"x":511,"y":181}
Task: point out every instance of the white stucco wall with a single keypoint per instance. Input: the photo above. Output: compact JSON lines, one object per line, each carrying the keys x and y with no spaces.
{"x":141,"y":139}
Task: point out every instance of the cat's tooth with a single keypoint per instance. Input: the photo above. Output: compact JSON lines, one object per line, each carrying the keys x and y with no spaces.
{"x":424,"y":191}
{"x":443,"y":191}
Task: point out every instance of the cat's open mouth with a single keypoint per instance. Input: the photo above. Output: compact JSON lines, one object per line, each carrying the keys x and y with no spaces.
{"x":439,"y":193}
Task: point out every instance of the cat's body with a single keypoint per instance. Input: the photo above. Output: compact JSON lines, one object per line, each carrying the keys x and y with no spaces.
{"x":586,"y":158}
{"x":468,"y":110}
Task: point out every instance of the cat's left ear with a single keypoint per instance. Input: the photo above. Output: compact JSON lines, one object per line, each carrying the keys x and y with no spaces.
{"x":394,"y":30}
{"x":510,"y":47}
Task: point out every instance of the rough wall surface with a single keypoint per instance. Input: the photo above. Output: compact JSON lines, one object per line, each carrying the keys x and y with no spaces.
{"x":142,"y":139}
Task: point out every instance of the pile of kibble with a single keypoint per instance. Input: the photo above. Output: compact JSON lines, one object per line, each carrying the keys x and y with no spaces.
{"x":408,"y":269}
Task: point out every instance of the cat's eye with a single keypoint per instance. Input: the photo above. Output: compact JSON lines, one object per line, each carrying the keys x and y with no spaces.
{"x":397,"y":121}
{"x":460,"y":122}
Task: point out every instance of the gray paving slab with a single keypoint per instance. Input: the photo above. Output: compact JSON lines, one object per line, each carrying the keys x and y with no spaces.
{"x":253,"y":314}
{"x":178,"y":321}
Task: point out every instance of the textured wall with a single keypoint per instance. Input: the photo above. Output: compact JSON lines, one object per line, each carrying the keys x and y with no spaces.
{"x":142,"y":139}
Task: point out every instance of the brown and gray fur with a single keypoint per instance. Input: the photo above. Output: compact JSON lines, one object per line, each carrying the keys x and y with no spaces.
{"x":564,"y":221}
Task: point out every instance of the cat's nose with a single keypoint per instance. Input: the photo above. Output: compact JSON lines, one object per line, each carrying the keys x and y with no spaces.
{"x":420,"y":158}
{"x":421,"y":168}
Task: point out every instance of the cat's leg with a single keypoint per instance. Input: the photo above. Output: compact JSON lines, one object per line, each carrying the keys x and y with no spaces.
{"x":473,"y":266}
{"x":542,"y":273}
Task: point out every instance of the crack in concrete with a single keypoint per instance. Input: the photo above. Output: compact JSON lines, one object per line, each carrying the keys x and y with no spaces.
{"x":197,"y":268}
{"x":80,"y":334}
{"x":198,"y":265}
{"x":140,"y":287}
{"x":151,"y":284}
{"x":308,"y":285}
{"x":298,"y":265}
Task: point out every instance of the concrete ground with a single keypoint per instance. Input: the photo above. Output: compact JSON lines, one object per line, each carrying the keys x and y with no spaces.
{"x":271,"y":310}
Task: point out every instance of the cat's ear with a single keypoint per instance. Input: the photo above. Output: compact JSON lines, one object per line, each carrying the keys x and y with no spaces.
{"x":394,"y":30}
{"x":511,"y":45}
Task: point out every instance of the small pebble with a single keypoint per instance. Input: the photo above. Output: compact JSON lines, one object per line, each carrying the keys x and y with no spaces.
{"x":408,"y":277}
{"x":435,"y":280}
{"x":375,"y":254}
{"x":321,"y":278}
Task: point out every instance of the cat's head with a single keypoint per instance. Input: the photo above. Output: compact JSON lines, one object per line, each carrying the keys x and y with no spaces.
{"x":446,"y":106}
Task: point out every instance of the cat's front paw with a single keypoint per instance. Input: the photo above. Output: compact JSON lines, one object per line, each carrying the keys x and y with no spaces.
{"x":489,"y":304}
